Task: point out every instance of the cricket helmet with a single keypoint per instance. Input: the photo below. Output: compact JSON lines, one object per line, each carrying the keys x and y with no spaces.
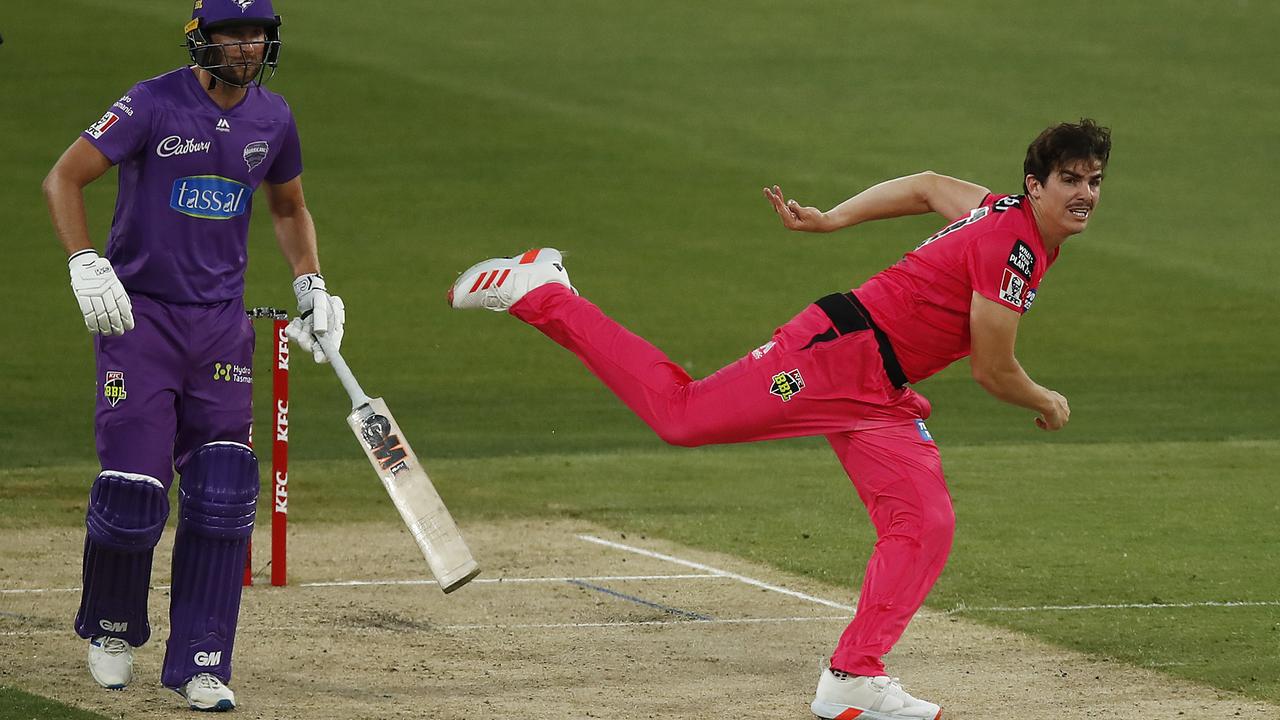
{"x":209,"y":16}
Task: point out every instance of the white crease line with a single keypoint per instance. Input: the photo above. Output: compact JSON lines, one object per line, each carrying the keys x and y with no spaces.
{"x":504,"y":580}
{"x":362,"y":583}
{"x":713,"y":621}
{"x":1121,"y":606}
{"x":724,"y":573}
{"x":522,"y":626}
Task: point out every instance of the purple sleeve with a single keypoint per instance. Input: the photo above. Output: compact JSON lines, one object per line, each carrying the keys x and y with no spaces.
{"x":124,"y":128}
{"x":288,"y":162}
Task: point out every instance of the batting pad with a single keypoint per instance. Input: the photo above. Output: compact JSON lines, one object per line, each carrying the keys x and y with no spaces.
{"x":126,"y":515}
{"x":217,"y":495}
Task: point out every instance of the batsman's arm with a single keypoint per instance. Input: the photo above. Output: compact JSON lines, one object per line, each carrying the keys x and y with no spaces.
{"x":63,"y":187}
{"x":911,"y":195}
{"x":295,"y":230}
{"x":993,"y":331}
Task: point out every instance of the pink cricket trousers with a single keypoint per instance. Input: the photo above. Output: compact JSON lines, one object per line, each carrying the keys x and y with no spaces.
{"x":808,"y":380}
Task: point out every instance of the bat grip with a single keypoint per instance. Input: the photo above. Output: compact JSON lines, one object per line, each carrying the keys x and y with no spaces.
{"x":343,"y":371}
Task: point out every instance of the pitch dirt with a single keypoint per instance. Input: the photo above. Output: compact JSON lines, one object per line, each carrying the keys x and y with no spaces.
{"x":558,"y":626}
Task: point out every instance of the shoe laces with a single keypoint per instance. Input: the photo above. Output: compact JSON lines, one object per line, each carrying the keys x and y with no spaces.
{"x":113,"y":645}
{"x":205,"y":681}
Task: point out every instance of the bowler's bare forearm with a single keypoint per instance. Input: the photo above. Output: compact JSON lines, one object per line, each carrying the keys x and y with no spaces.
{"x":1011,"y":384}
{"x":911,"y":195}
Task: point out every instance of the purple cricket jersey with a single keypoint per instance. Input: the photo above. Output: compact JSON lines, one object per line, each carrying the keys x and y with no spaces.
{"x":188,"y":170}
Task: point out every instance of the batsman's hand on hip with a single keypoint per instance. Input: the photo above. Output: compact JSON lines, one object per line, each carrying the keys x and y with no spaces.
{"x":103,"y":301}
{"x":1057,"y":414}
{"x":319,"y":314}
{"x":796,"y":216}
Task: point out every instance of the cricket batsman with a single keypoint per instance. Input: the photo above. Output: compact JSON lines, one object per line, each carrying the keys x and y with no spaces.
{"x":172,"y":344}
{"x":842,"y":369}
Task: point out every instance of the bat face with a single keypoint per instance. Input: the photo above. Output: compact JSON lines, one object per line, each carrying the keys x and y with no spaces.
{"x":383,"y":443}
{"x":420,"y":506}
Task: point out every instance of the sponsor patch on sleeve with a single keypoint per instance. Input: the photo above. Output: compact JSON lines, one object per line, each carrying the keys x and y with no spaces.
{"x":1031,"y":296}
{"x":1022,"y":259}
{"x":924,"y":431}
{"x":99,"y":128}
{"x":1011,"y":288}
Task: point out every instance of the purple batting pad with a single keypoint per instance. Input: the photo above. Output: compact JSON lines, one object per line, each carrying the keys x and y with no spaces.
{"x":126,"y":515}
{"x":218,"y":494}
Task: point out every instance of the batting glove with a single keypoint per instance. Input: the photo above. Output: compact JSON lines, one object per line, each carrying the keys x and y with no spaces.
{"x":103,"y":301}
{"x":319,"y":313}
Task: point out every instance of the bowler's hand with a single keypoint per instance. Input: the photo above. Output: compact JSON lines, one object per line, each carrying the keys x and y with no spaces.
{"x":1056,"y":415}
{"x":795,"y":216}
{"x":319,"y":314}
{"x":103,"y":301}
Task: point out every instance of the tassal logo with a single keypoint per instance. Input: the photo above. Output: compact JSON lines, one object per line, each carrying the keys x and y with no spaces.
{"x":210,"y":197}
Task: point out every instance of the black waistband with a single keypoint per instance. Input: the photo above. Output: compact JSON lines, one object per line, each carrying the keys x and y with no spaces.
{"x":847,"y":314}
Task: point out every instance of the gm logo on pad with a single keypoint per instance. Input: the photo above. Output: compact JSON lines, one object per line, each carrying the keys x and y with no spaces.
{"x":210,"y":197}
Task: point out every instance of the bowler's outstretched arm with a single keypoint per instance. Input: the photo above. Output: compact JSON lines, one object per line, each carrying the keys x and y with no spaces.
{"x":911,"y":195}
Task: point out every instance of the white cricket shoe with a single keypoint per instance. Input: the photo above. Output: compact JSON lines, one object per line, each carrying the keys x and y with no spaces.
{"x":110,"y":662}
{"x":206,"y":692}
{"x":499,"y":283}
{"x":843,"y":697}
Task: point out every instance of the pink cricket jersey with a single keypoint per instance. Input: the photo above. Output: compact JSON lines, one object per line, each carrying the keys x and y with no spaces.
{"x":922,"y":302}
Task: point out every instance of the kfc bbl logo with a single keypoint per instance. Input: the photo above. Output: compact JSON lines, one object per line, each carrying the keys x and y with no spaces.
{"x":113,"y":388}
{"x":255,"y":152}
{"x":787,"y":384}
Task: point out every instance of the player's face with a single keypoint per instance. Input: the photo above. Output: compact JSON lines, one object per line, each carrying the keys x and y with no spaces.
{"x":1067,"y":198}
{"x":243,"y":49}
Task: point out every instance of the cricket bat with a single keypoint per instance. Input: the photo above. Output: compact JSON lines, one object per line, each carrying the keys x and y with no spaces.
{"x":406,"y":481}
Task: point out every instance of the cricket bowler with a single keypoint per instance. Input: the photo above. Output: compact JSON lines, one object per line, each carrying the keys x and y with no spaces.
{"x":172,"y":344}
{"x":842,"y":369}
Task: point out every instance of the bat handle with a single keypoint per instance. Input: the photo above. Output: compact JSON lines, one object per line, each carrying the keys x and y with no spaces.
{"x":343,"y":371}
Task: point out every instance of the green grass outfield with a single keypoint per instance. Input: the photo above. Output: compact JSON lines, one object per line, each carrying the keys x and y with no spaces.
{"x":637,"y":138}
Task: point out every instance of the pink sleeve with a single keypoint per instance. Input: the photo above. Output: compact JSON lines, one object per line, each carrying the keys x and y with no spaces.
{"x":993,"y":275}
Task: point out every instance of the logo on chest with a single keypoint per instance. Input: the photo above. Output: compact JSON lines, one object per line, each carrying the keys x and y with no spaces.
{"x":210,"y":197}
{"x":255,"y":152}
{"x":175,"y":145}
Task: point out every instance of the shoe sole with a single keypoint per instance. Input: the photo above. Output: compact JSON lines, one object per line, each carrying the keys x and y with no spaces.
{"x":221,"y":706}
{"x":828,"y":711}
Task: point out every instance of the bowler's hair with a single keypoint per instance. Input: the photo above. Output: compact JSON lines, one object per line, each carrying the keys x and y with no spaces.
{"x":1064,"y":144}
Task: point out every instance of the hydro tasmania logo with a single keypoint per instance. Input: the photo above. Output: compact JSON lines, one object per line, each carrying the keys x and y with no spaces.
{"x":210,"y":197}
